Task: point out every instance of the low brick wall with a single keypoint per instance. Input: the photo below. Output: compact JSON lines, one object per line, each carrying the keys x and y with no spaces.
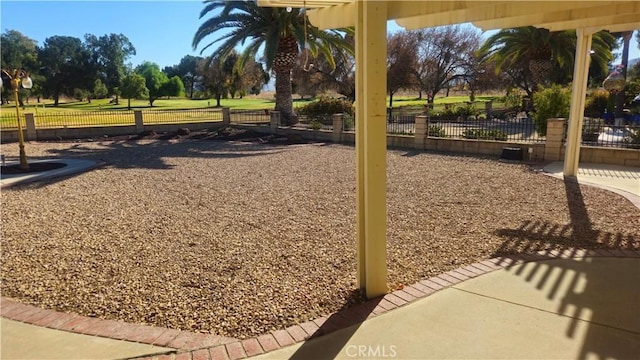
{"x":552,"y":150}
{"x":483,"y":147}
{"x":612,"y":156}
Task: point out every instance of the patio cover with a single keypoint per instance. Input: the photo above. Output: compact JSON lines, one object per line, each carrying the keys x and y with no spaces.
{"x":369,"y":17}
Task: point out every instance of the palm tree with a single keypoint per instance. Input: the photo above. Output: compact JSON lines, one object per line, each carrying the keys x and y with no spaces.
{"x":280,"y":32}
{"x":535,"y":52}
{"x":624,"y":62}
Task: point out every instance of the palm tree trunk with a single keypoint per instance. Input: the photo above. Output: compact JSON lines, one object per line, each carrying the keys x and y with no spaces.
{"x":620,"y":96}
{"x":284,"y":96}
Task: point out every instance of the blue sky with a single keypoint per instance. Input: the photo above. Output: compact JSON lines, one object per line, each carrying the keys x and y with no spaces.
{"x":161,"y":31}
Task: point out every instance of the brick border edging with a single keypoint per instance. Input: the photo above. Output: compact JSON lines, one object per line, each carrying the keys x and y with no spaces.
{"x":195,"y":346}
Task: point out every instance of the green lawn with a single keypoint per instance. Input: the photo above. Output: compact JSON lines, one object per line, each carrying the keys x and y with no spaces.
{"x":160,"y":104}
{"x":101,"y":112}
{"x":185,"y":103}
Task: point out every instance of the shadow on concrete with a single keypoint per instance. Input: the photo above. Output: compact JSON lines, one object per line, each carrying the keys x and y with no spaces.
{"x":343,"y":324}
{"x":596,"y":293}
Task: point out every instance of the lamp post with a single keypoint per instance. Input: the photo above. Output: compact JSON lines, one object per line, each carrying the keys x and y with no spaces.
{"x":17,"y":77}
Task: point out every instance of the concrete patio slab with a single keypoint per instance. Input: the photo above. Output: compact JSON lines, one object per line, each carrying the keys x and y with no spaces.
{"x":23,"y":341}
{"x":623,"y":180}
{"x":72,"y":166}
{"x":503,"y":315}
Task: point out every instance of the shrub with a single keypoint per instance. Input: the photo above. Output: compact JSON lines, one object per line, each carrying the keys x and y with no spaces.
{"x":325,"y":106}
{"x":466,"y":111}
{"x":315,"y":125}
{"x":551,"y":102}
{"x":437,"y":131}
{"x":631,"y":91}
{"x":349,"y":122}
{"x":512,"y":101}
{"x":483,"y":134}
{"x":596,"y":103}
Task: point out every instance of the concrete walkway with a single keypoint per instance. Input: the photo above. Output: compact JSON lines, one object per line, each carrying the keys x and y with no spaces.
{"x":562,"y":309}
{"x":71,"y":167}
{"x":623,"y":180}
{"x":24,"y":341}
{"x":571,"y":304}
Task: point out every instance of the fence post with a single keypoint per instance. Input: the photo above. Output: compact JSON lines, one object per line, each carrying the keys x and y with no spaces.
{"x":274,"y":119}
{"x":338,"y":123}
{"x":31,"y":126}
{"x":137,"y":114}
{"x":488,"y":108}
{"x":422,"y":131}
{"x":554,"y":139}
{"x":226,"y":116}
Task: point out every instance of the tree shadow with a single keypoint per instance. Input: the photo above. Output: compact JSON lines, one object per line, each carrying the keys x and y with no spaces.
{"x":599,"y":295}
{"x":127,"y":154}
{"x":343,"y":324}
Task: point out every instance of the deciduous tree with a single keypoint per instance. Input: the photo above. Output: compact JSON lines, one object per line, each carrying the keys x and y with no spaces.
{"x":66,"y":65}
{"x":401,"y":61}
{"x":17,"y":52}
{"x":187,"y":70}
{"x":154,"y":78}
{"x":110,"y":52}
{"x":445,"y":54}
{"x":133,"y":87}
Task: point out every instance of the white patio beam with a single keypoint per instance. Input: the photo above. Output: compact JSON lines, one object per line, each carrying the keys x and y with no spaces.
{"x":590,"y":15}
{"x":494,"y":15}
{"x":578,"y":93}
{"x":371,"y":145}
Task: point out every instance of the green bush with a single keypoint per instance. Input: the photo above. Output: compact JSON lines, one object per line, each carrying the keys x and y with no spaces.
{"x":466,"y":111}
{"x":631,"y":91}
{"x":596,"y":103}
{"x":483,"y":134}
{"x":437,"y":131}
{"x":449,"y":111}
{"x":512,"y":101}
{"x":325,"y":106}
{"x":349,"y":122}
{"x":551,"y":102}
{"x":315,"y":125}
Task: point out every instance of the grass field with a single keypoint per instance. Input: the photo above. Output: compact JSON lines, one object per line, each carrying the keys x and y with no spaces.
{"x":101,"y":112}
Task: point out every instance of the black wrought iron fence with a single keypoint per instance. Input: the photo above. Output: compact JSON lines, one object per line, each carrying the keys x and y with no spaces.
{"x":324,"y":122}
{"x":79,"y":119}
{"x":250,"y":116}
{"x":510,"y":129}
{"x":607,"y":135}
{"x":401,"y":124}
{"x":177,"y":116}
{"x":8,"y":120}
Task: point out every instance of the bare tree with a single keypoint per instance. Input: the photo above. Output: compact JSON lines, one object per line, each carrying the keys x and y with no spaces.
{"x":445,"y":54}
{"x":217,"y":74}
{"x":248,"y":78}
{"x":313,"y":75}
{"x":401,"y":62}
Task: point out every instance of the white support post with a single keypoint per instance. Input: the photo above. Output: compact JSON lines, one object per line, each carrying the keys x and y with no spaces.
{"x":371,"y":145}
{"x":578,"y":93}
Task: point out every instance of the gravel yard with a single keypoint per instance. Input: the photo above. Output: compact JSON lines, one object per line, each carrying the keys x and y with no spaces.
{"x":239,"y":238}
